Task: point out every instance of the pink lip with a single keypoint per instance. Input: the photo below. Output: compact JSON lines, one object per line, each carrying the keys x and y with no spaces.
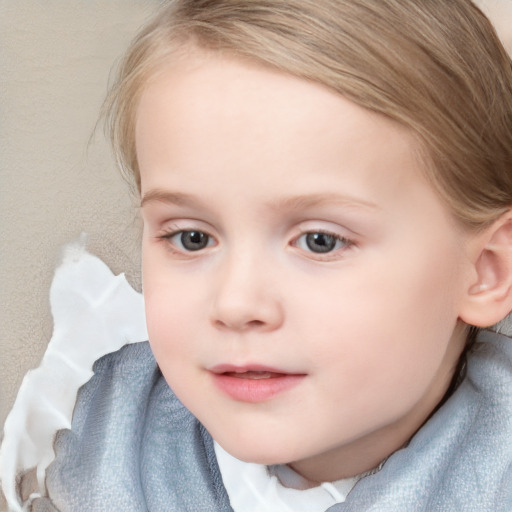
{"x":253,"y":383}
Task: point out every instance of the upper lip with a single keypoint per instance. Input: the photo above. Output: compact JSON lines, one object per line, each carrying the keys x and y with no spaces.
{"x":232,"y":368}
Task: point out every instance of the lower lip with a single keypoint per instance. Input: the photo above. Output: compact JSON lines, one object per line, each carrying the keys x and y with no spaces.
{"x":255,"y":390}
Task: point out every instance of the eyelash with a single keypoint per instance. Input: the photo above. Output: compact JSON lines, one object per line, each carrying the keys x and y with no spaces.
{"x":328,"y":254}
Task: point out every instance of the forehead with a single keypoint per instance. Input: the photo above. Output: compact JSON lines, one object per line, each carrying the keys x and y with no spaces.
{"x":208,"y":114}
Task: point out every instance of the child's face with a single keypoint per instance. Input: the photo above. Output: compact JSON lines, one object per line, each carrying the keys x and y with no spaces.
{"x":302,"y":281}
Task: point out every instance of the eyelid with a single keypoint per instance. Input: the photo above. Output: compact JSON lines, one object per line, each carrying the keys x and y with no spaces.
{"x":173,"y":226}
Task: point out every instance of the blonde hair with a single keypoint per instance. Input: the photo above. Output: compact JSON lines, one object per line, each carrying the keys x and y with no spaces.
{"x":435,"y":66}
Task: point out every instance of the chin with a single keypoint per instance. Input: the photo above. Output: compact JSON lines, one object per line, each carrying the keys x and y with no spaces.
{"x":265,"y":453}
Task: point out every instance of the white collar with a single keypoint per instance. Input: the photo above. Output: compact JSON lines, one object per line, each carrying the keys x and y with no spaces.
{"x":253,"y":488}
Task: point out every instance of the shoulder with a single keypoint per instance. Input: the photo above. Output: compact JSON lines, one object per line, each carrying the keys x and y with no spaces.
{"x":103,"y":448}
{"x":117,"y":393}
{"x":135,"y":359}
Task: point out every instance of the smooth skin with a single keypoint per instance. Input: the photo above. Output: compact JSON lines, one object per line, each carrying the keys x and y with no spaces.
{"x":287,"y":227}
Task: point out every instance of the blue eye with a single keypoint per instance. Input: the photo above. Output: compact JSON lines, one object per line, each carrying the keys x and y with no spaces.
{"x":321,"y":243}
{"x":191,"y":240}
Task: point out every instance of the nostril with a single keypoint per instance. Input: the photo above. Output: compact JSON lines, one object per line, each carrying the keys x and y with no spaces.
{"x":255,"y":323}
{"x":252,"y":324}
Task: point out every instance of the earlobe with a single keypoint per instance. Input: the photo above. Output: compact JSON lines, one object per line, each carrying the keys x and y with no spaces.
{"x":489,"y":297}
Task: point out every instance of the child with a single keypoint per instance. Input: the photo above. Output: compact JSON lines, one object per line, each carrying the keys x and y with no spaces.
{"x":326,"y":192}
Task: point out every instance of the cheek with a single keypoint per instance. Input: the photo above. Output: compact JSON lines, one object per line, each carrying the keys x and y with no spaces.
{"x":170,"y":316}
{"x":394,"y":318}
{"x":170,"y":309}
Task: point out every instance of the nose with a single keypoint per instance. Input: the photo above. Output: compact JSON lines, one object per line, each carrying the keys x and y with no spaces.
{"x":246,"y":297}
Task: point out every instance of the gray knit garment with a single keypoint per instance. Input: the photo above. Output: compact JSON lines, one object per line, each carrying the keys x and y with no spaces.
{"x":134,"y":447}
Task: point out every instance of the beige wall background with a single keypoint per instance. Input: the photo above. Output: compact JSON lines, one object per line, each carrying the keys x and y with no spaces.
{"x":55,"y":59}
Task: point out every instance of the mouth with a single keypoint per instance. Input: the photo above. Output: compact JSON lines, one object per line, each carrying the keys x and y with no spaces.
{"x":253,"y":375}
{"x":253,"y":383}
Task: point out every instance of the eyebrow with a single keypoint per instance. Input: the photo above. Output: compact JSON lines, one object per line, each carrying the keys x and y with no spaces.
{"x":305,"y":201}
{"x":299,"y":202}
{"x":163,"y":196}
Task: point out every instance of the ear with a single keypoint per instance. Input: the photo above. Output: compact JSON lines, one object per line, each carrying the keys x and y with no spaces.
{"x":489,"y":297}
